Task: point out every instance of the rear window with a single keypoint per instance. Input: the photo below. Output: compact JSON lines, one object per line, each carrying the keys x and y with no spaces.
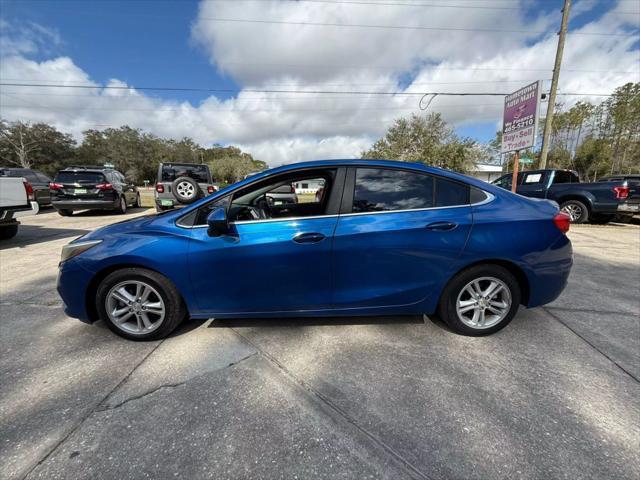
{"x":79,"y":177}
{"x":200,"y":173}
{"x":450,"y":194}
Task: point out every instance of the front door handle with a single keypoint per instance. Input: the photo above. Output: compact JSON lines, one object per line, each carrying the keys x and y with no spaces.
{"x":313,"y":237}
{"x":441,"y":226}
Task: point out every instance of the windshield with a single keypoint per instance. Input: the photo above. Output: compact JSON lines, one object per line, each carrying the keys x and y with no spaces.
{"x":79,"y":177}
{"x":200,"y":173}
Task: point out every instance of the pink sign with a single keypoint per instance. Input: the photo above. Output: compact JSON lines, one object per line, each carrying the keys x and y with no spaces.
{"x":520,"y":119}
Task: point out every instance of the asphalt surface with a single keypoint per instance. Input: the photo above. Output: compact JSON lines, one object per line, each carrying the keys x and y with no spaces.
{"x":554,"y":395}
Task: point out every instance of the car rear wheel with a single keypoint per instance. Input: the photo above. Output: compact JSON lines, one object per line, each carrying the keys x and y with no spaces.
{"x":65,"y":213}
{"x":480,"y":300}
{"x":577,"y":211}
{"x":122,"y":207}
{"x":139,"y":304}
{"x":138,"y":203}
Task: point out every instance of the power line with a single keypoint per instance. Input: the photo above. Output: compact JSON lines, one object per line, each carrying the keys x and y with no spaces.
{"x":346,"y":84}
{"x":307,"y":92}
{"x":404,"y":27}
{"x":402,"y":4}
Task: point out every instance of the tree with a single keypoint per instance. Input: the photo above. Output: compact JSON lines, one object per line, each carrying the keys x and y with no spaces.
{"x":427,"y":140}
{"x":38,"y":146}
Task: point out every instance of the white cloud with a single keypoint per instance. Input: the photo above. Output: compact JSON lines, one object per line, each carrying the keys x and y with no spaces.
{"x":286,"y":127}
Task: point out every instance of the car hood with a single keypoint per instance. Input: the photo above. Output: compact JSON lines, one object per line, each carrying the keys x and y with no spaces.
{"x":134,"y":225}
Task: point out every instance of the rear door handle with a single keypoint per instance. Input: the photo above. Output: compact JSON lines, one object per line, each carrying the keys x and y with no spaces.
{"x":313,"y":237}
{"x":441,"y":226}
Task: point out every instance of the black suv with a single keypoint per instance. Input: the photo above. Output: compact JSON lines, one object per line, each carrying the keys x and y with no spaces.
{"x":38,"y":181}
{"x":181,"y":184}
{"x":92,"y":188}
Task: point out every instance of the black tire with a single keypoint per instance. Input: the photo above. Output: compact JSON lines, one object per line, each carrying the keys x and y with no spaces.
{"x":122,"y":205}
{"x":138,"y":203}
{"x":601,"y":218}
{"x":577,"y":211}
{"x":447,"y":306}
{"x":8,"y":231}
{"x":65,"y":213}
{"x":186,"y":190}
{"x":175,"y":310}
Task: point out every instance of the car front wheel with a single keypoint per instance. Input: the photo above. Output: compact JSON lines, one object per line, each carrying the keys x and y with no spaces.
{"x":139,"y":304}
{"x":480,"y":300}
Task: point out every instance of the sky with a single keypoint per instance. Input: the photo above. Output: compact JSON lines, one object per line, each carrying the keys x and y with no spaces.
{"x":294,"y":80}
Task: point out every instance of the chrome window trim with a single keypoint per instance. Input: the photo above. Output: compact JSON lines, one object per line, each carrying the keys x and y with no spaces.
{"x":490,"y":198}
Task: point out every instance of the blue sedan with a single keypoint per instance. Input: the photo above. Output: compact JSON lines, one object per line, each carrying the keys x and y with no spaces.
{"x":379,"y":238}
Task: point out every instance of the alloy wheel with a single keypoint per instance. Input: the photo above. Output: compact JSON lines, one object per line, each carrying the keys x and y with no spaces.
{"x":483,"y":302}
{"x":185,"y":189}
{"x":574,"y":211}
{"x":135,"y":307}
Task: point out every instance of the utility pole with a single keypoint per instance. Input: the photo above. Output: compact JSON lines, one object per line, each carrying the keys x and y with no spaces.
{"x":554,"y":85}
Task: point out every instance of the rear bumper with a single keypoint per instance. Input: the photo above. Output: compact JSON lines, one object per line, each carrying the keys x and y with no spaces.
{"x":549,"y":276}
{"x":84,"y":204}
{"x":8,"y":215}
{"x":627,"y":207}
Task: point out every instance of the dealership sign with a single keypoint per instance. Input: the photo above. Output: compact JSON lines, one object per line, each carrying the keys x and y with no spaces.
{"x":520,"y":120}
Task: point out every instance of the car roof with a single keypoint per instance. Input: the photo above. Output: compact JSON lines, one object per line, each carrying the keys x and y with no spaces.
{"x":184,"y":164}
{"x":88,"y":169}
{"x":363,"y":162}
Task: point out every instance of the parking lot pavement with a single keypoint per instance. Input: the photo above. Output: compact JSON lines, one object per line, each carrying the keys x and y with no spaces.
{"x":555,"y":394}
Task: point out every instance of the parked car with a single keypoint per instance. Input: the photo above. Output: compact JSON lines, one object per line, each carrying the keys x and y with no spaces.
{"x":280,"y":195}
{"x":598,"y":202}
{"x":181,"y":184}
{"x":92,"y":188}
{"x":38,"y":181}
{"x":631,"y":206}
{"x":16,"y":200}
{"x":387,"y":238}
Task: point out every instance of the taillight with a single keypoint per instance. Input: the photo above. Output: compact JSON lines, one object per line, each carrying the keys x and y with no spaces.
{"x":621,"y":192}
{"x":104,"y":186}
{"x":562,"y":221}
{"x":210,"y":189}
{"x":293,"y":188}
{"x":29,"y":189}
{"x":159,"y":188}
{"x":56,"y":186}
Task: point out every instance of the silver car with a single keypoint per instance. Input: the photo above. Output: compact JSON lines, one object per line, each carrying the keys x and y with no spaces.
{"x":181,"y":184}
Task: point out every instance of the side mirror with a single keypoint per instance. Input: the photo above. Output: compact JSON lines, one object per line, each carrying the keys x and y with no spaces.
{"x":217,"y":222}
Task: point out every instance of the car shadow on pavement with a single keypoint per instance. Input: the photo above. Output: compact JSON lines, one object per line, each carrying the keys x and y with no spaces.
{"x":32,"y":234}
{"x":102,"y":213}
{"x":314,"y":321}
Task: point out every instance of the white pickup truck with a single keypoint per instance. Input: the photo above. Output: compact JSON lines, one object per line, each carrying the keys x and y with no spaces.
{"x":16,"y":200}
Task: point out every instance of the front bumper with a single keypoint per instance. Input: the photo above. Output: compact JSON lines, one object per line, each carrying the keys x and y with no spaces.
{"x":73,"y":282}
{"x":84,"y":204}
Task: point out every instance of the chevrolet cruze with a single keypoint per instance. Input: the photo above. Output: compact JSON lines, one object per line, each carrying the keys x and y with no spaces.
{"x":380,"y":238}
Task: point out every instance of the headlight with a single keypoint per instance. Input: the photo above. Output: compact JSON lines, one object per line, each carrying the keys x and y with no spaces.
{"x":72,"y":249}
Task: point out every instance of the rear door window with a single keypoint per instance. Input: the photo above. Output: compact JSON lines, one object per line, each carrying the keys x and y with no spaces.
{"x":380,"y":190}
